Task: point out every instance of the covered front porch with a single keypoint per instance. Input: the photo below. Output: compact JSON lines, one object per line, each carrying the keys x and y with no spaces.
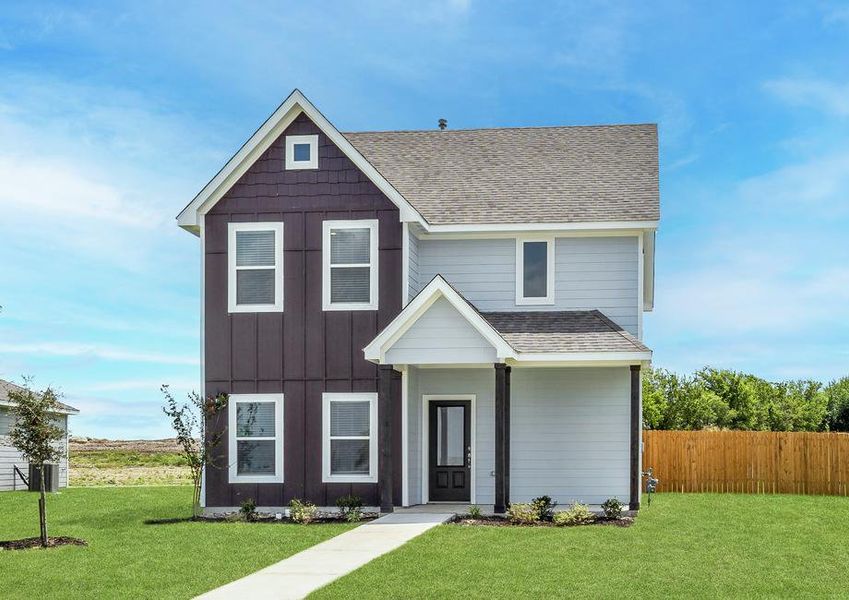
{"x":491,"y":435}
{"x":505,"y":407}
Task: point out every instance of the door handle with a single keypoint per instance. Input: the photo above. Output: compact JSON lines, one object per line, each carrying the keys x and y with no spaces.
{"x":469,"y":456}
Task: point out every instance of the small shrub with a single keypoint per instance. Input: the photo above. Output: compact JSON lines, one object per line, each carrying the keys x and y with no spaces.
{"x":302,"y":512}
{"x":612,"y":508}
{"x":577,"y":514}
{"x":522,"y":513}
{"x":544,"y":506}
{"x":349,"y":502}
{"x":247,"y":509}
{"x":351,"y":507}
{"x":354,"y":515}
{"x":475,"y":511}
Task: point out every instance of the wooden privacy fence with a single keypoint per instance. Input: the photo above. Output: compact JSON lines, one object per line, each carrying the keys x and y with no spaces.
{"x":749,"y":462}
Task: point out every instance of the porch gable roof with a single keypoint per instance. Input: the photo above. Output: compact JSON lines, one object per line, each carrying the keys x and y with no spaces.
{"x":418,"y":306}
{"x":522,"y":336}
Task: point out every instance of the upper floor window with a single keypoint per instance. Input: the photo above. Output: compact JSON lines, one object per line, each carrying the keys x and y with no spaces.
{"x":255,"y":427}
{"x":535,"y":271}
{"x":301,"y":152}
{"x":349,"y":437}
{"x":255,"y":267}
{"x":349,"y":256}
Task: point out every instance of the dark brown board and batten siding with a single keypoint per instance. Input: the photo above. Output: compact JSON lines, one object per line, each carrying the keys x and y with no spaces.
{"x":303,"y":351}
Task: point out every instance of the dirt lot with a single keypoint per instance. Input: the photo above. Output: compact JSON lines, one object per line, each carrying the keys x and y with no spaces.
{"x":95,"y":462}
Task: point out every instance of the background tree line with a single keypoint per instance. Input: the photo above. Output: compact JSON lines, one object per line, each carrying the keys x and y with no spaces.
{"x":725,"y":399}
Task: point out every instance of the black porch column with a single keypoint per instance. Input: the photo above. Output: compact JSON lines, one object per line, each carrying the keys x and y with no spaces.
{"x":384,"y":439}
{"x":502,"y":437}
{"x":636,"y":426}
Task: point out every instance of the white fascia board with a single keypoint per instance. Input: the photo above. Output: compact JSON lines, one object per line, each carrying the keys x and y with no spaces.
{"x":648,"y":269}
{"x":580,"y":358}
{"x":437,"y":288}
{"x":546,"y":227}
{"x":260,"y":141}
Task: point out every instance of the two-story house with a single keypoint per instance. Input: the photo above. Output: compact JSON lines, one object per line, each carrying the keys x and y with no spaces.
{"x":426,"y":316}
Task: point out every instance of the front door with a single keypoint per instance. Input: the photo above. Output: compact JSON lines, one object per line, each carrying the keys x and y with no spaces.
{"x":450,"y":477}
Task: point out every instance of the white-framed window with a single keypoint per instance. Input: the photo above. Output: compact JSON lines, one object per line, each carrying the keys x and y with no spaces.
{"x":255,"y":435}
{"x":301,"y":152}
{"x":255,"y":267}
{"x":349,"y":257}
{"x":349,"y":437}
{"x":535,"y":270}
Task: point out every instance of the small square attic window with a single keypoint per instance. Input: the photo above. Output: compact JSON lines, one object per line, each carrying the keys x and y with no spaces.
{"x":301,"y":152}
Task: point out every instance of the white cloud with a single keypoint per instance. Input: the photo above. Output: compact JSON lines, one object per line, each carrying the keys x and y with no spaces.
{"x":837,"y":14}
{"x":821,"y":184}
{"x":826,"y":96}
{"x":95,"y":351}
{"x":123,"y":385}
{"x":55,"y":190}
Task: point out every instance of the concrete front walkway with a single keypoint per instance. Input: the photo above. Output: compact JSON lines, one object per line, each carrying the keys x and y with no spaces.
{"x":305,"y":572}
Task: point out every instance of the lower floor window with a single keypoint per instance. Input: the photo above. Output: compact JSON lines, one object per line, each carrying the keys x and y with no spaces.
{"x":349,"y":437}
{"x":255,"y":438}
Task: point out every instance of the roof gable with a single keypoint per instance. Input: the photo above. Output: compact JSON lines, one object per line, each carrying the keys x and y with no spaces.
{"x":435,"y":290}
{"x":261,"y":140}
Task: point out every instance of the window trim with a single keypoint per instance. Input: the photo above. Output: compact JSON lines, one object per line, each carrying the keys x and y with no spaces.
{"x":232,"y":269}
{"x":521,"y":299}
{"x":233,"y":439}
{"x":294,"y":165}
{"x":326,"y":399}
{"x":327,"y":227}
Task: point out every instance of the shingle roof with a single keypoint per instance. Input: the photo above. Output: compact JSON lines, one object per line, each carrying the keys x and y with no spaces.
{"x":563,"y":331}
{"x":521,"y":175}
{"x":8,"y":386}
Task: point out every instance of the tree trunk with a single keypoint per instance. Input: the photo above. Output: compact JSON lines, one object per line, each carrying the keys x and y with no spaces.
{"x":196,"y":483}
{"x":42,"y":507}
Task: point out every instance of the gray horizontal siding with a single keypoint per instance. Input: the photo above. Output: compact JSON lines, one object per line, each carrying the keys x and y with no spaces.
{"x":569,"y":434}
{"x":10,"y":457}
{"x":413,"y":269}
{"x":441,"y":335}
{"x":590,"y":273}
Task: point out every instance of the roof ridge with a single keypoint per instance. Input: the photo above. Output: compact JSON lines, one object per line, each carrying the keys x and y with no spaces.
{"x":508,"y":128}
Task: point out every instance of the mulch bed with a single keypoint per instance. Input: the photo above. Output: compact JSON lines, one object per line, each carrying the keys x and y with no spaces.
{"x":52,"y":542}
{"x":498,"y":521}
{"x":260,"y":518}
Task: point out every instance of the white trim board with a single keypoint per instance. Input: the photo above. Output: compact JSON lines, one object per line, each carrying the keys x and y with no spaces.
{"x":326,"y":399}
{"x":232,"y":445}
{"x":233,"y":268}
{"x":405,"y":436}
{"x":374,"y":270}
{"x":426,"y":399}
{"x":291,"y":142}
{"x":521,"y":299}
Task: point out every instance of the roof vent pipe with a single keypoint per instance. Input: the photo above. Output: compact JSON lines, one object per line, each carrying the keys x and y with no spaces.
{"x":442,"y":124}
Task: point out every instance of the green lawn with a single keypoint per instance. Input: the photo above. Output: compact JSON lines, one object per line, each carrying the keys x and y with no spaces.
{"x":129,"y":559}
{"x":693,"y":545}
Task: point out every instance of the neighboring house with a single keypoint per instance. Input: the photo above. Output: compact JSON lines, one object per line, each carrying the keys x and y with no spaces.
{"x":421,"y":316}
{"x":9,"y":455}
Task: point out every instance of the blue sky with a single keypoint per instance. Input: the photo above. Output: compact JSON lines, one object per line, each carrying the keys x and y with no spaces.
{"x":113,"y":116}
